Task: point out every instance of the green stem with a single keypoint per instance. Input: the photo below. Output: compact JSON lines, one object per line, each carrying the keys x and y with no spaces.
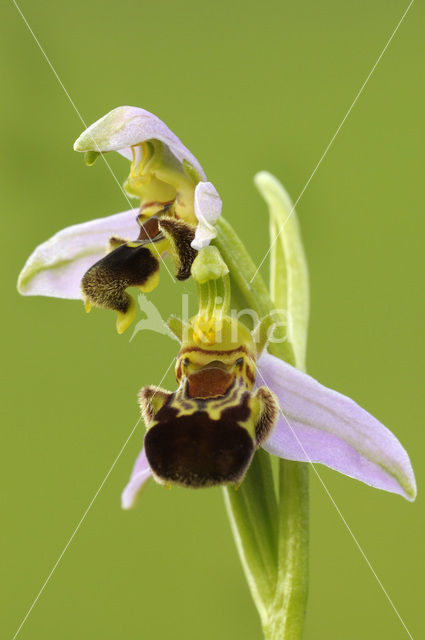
{"x":287,"y":614}
{"x":280,"y":589}
{"x":254,"y":517}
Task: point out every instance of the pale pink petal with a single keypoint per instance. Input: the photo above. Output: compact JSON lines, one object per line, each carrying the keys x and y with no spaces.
{"x":55,"y":268}
{"x":207,"y":210}
{"x":318,"y":424}
{"x":139,"y":476}
{"x":124,"y":127}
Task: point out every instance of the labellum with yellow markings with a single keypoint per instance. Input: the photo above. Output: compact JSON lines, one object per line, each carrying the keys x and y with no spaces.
{"x":206,"y":432}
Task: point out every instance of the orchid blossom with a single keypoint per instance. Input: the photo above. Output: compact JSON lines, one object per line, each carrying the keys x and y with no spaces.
{"x":177,"y":212}
{"x":290,"y":414}
{"x":239,"y":390}
{"x":318,"y":425}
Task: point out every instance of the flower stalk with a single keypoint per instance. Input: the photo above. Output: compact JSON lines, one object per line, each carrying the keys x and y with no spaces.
{"x":271,"y":535}
{"x":287,"y":613}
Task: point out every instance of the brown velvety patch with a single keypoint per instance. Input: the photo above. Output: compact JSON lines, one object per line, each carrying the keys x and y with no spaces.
{"x":196,"y":451}
{"x":180,"y":235}
{"x":209,"y":383}
{"x":105,"y":282}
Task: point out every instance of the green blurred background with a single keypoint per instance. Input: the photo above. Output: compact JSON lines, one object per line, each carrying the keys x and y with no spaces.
{"x":246,"y":86}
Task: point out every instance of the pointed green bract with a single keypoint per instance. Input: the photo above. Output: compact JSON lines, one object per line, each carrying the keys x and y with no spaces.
{"x":289,"y":288}
{"x":248,"y":288}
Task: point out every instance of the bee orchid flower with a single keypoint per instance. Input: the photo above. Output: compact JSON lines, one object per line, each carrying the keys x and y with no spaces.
{"x":177,"y":212}
{"x":317,"y":424}
{"x":206,"y":432}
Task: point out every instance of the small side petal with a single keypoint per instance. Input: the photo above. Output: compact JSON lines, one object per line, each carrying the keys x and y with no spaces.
{"x":207,"y":210}
{"x":139,"y":476}
{"x":55,"y":268}
{"x":126,"y":126}
{"x":322,"y":425}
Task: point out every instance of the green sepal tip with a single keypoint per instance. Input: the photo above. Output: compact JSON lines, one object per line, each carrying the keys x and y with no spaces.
{"x":90,"y":157}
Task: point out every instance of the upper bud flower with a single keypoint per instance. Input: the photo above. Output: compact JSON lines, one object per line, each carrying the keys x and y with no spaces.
{"x":163,"y":171}
{"x":98,"y":260}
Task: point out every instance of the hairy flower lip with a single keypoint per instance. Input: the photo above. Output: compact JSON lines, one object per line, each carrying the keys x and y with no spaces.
{"x":319,"y":426}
